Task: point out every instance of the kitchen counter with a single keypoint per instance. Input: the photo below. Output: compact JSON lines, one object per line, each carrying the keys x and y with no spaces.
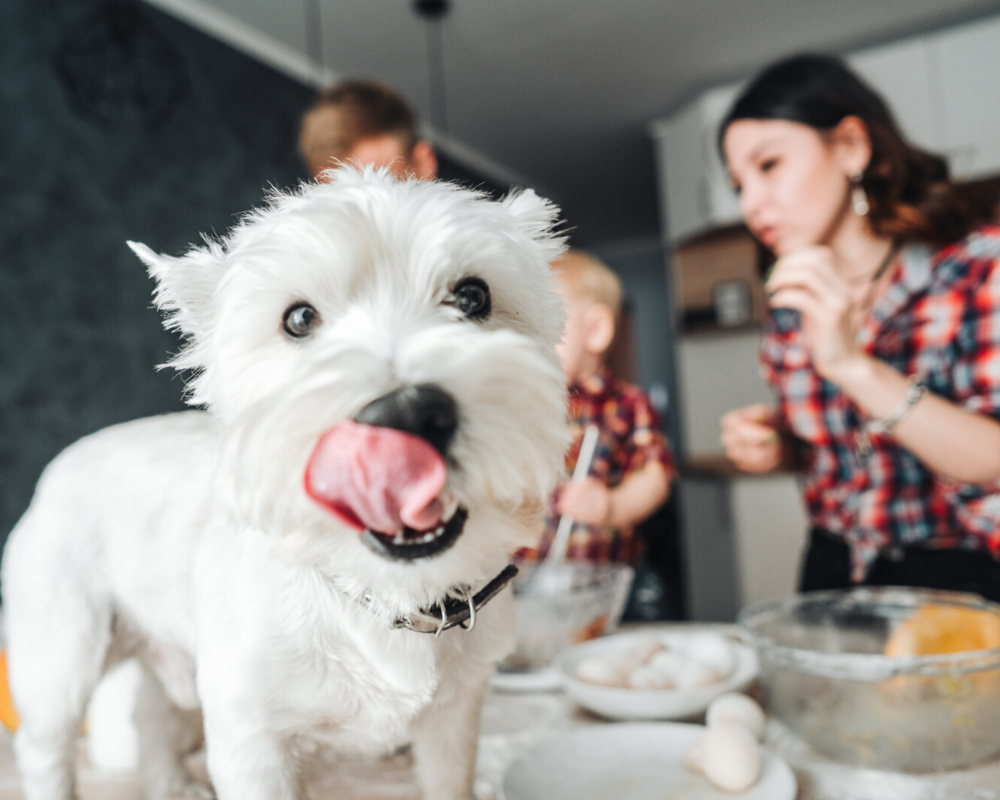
{"x":513,"y":722}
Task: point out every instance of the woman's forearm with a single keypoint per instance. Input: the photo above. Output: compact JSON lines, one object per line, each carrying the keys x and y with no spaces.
{"x":948,"y":439}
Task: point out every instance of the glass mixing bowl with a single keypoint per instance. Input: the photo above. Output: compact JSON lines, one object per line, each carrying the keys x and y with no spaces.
{"x":557,"y":606}
{"x":826,"y":676}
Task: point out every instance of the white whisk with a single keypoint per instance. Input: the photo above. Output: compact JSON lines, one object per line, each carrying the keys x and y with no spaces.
{"x":560,"y":542}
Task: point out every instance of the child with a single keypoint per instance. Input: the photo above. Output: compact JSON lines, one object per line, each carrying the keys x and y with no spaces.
{"x":632,"y":467}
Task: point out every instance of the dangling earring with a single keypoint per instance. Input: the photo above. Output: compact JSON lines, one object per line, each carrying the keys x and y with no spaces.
{"x":859,"y":199}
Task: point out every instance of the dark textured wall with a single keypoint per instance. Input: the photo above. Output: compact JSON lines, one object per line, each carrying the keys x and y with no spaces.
{"x":116,"y":122}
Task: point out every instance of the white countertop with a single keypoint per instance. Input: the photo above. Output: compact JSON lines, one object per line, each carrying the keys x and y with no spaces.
{"x":513,"y":722}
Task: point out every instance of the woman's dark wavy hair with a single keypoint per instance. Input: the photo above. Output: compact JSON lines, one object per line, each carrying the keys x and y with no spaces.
{"x":910,"y":194}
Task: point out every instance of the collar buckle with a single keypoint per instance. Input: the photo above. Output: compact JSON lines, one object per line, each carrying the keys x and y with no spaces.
{"x":455,"y":612}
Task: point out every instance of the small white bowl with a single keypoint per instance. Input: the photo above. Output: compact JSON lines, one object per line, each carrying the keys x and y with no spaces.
{"x":649,"y":704}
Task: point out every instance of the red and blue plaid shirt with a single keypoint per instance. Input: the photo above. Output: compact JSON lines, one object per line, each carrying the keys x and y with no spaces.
{"x":629,"y":439}
{"x":938,"y":320}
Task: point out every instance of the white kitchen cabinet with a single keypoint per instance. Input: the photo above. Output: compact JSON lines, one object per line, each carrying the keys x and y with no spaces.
{"x":694,"y":188}
{"x":716,"y":372}
{"x":969,"y":59}
{"x":769,"y":527}
{"x":682,"y":199}
{"x":906,"y":75}
{"x":743,"y":538}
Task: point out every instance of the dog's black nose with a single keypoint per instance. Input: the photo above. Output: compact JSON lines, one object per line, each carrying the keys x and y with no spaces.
{"x":425,"y":411}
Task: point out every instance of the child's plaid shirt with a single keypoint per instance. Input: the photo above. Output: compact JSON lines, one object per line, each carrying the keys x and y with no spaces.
{"x":629,"y":439}
{"x":938,"y":320}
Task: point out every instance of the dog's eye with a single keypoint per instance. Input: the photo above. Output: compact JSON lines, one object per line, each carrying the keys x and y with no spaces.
{"x":300,"y":320}
{"x":472,"y":298}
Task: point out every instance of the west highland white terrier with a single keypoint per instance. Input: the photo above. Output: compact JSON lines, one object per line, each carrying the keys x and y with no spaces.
{"x":308,"y":562}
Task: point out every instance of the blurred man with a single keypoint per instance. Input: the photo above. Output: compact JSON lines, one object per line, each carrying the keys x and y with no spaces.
{"x":368,"y":123}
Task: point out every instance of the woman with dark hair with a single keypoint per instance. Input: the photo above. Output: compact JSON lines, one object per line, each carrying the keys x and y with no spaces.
{"x":883,"y":338}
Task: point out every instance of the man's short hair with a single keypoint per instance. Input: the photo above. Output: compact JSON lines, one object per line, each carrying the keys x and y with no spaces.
{"x":349,"y":112}
{"x":585,"y":276}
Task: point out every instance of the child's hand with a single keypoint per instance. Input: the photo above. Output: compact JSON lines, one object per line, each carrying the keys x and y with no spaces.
{"x":587,"y":502}
{"x":750,"y":438}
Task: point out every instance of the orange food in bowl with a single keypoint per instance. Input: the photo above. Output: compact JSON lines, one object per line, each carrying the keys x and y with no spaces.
{"x":936,"y":630}
{"x":8,"y":714}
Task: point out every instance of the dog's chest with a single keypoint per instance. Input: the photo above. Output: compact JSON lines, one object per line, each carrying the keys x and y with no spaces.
{"x":360,"y":686}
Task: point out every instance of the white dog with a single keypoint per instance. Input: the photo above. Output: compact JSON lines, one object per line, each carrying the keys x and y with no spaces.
{"x":386,"y":415}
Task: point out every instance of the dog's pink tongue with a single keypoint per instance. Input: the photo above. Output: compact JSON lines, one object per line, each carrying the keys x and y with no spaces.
{"x":377,"y":478}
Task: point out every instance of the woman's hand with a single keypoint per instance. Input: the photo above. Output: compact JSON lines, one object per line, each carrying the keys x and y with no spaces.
{"x":751,"y":439}
{"x":807,"y":280}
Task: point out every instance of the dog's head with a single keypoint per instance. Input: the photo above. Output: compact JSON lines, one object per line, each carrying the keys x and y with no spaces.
{"x":381,"y":356}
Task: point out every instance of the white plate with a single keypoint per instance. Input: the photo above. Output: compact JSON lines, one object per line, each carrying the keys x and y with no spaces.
{"x":546,"y":679}
{"x":638,"y":761}
{"x":648,"y":704}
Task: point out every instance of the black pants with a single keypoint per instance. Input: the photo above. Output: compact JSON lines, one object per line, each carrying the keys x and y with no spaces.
{"x":827,"y":565}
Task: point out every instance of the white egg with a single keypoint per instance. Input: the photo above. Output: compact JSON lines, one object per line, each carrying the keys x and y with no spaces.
{"x":668,"y":662}
{"x":645,"y":649}
{"x":694,"y":758}
{"x":604,"y":671}
{"x":692,"y":674}
{"x":738,"y":709}
{"x":711,"y":649}
{"x":730,"y":758}
{"x":648,"y":677}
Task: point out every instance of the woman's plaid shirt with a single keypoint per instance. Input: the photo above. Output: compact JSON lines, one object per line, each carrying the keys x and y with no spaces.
{"x":938,"y":320}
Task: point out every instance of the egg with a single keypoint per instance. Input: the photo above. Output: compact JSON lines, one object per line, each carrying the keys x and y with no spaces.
{"x":643,"y":650}
{"x":692,"y":674}
{"x":668,"y":662}
{"x":604,"y":671}
{"x":648,"y":677}
{"x":738,"y":709}
{"x":694,"y":758}
{"x":730,"y":759}
{"x":712,"y":650}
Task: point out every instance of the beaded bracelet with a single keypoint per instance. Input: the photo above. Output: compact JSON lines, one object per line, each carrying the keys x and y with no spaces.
{"x":882,"y":427}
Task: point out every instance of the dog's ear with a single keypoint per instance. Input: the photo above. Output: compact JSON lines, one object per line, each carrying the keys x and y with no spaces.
{"x":537,"y":217}
{"x":185,"y":286}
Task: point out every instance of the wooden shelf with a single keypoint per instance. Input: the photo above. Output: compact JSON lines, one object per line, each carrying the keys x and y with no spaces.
{"x":720,"y":467}
{"x":701,"y":265}
{"x":714,"y":329}
{"x":709,"y":467}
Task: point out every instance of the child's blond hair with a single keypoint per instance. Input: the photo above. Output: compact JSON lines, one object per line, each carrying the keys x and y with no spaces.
{"x":585,"y":276}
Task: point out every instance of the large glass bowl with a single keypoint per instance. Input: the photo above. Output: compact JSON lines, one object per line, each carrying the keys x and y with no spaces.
{"x":826,"y":677}
{"x":557,"y":606}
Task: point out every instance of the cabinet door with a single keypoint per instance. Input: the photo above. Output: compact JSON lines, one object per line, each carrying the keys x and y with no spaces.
{"x":723,"y":202}
{"x":694,"y":186}
{"x":768,"y":526}
{"x":683,"y":194}
{"x":970,"y":82}
{"x":716,"y":373}
{"x":904,"y":74}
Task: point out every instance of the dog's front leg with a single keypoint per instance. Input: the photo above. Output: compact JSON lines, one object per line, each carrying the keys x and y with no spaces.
{"x":445,"y":740}
{"x":247,"y":764}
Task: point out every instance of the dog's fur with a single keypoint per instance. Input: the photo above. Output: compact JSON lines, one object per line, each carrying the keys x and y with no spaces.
{"x":189,"y":540}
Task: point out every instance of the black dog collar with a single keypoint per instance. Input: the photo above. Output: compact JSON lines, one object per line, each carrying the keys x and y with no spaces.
{"x":453,"y":612}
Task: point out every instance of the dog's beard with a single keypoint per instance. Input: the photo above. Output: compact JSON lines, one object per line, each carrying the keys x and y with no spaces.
{"x":505,"y":456}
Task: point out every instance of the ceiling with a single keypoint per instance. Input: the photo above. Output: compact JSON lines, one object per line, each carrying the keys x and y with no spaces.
{"x":557,"y":94}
